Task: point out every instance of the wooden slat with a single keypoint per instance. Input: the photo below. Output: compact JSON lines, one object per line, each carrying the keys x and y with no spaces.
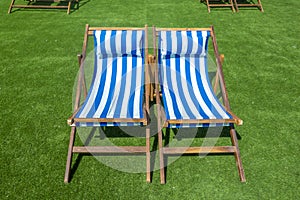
{"x":200,"y":121}
{"x":92,"y":29}
{"x":220,"y":5}
{"x":109,"y":149}
{"x":40,"y":6}
{"x":196,"y":150}
{"x":183,"y":29}
{"x":249,"y":5}
{"x":142,"y":120}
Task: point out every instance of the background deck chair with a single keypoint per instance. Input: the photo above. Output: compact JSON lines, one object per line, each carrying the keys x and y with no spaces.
{"x":118,"y":95}
{"x":187,"y":94}
{"x":248,"y":3}
{"x":219,"y":4}
{"x":41,"y":4}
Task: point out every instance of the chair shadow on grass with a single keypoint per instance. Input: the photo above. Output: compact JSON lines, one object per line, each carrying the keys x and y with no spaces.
{"x":74,"y":6}
{"x":219,"y":2}
{"x":202,"y":133}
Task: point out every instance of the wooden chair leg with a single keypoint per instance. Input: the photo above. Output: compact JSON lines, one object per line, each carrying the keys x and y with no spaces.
{"x":70,"y":155}
{"x":237,"y":154}
{"x":236,"y":6}
{"x":11,"y":6}
{"x":233,"y":10}
{"x":69,"y":6}
{"x":148,"y":156}
{"x":260,"y":6}
{"x":208,"y":7}
{"x":161,"y":158}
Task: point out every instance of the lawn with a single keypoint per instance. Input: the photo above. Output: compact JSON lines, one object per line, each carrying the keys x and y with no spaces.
{"x":38,"y":67}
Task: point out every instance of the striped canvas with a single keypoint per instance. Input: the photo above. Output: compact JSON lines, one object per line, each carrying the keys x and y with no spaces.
{"x":183,"y":71}
{"x":117,"y":89}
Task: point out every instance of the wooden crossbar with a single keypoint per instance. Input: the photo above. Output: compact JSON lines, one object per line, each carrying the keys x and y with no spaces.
{"x":199,"y":150}
{"x":110,"y":149}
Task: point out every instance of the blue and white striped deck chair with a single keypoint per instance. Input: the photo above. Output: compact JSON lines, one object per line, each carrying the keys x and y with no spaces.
{"x":118,"y":95}
{"x":187,"y":94}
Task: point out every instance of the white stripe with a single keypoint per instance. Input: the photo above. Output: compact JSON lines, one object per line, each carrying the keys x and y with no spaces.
{"x":118,"y":42}
{"x":184,"y":42}
{"x":163,"y":42}
{"x":107,"y":42}
{"x":195,"y":42}
{"x":166,"y":91}
{"x":174,"y":42}
{"x":139,"y":85}
{"x":128,"y":40}
{"x":138,"y":42}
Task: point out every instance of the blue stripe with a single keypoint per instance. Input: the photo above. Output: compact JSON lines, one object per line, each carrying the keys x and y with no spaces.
{"x":178,"y":42}
{"x":142,"y":89}
{"x":200,"y":42}
{"x":102,"y":40}
{"x":169,"y":43}
{"x":123,"y":42}
{"x":113,"y":43}
{"x":190,"y":43}
{"x":133,"y":42}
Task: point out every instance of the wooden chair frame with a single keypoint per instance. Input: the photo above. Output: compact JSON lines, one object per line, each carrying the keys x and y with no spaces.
{"x":82,"y":87}
{"x":258,"y":5}
{"x":68,"y":7}
{"x":210,"y":5}
{"x":162,"y":122}
{"x":234,"y":4}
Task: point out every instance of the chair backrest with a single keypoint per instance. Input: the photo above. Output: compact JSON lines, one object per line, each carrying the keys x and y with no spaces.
{"x":183,"y":74}
{"x":117,"y":87}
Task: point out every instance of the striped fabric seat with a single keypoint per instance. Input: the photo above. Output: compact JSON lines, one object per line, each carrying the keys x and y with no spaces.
{"x":116,"y":91}
{"x":186,"y":88}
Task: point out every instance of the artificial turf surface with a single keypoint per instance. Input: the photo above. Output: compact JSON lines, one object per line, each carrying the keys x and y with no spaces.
{"x":38,"y":67}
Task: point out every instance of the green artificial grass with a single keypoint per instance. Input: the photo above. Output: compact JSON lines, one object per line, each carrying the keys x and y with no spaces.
{"x":38,"y":67}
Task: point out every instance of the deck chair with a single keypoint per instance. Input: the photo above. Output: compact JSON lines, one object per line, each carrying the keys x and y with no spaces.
{"x":118,"y":95}
{"x":43,"y":4}
{"x":219,"y":4}
{"x":187,"y":94}
{"x":248,"y":3}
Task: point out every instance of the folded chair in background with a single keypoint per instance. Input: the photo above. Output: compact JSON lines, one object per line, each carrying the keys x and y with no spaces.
{"x":41,"y":4}
{"x":118,"y":95}
{"x":188,"y":96}
{"x":219,"y":4}
{"x":248,"y":3}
